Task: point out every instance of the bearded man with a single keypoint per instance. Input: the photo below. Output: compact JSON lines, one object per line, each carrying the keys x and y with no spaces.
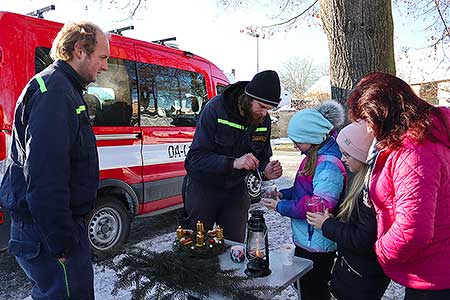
{"x":232,"y":139}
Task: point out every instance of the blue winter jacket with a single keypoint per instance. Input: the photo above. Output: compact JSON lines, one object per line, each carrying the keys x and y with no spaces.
{"x":328,"y":183}
{"x":52,"y":174}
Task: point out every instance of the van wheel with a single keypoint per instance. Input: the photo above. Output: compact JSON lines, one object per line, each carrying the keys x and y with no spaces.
{"x":108,"y":225}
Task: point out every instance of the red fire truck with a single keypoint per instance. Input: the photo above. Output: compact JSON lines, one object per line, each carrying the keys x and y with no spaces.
{"x":143,"y":110}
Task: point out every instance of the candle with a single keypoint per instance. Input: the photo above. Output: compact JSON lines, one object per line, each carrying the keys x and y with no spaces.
{"x":180,"y":232}
{"x":258,"y":253}
{"x":200,"y":227}
{"x":219,"y":232}
{"x":200,"y":239}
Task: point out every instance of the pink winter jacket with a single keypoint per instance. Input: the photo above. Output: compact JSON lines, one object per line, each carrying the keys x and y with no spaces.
{"x":410,"y":189}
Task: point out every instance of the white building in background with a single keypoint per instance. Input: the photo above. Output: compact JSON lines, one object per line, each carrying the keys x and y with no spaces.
{"x":320,"y":90}
{"x":428,"y":72}
{"x":286,"y":96}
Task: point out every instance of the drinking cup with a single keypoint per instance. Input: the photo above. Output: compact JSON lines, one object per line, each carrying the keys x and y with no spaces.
{"x":287,"y":254}
{"x":315,"y":205}
{"x":269,"y":190}
{"x":237,"y":253}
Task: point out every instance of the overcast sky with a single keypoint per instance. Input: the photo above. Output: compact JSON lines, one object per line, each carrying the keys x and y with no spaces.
{"x":203,"y":28}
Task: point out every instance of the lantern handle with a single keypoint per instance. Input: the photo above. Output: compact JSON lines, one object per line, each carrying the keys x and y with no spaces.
{"x":259,"y":175}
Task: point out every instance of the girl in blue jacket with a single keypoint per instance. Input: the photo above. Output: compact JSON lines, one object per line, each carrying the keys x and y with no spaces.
{"x":320,"y":174}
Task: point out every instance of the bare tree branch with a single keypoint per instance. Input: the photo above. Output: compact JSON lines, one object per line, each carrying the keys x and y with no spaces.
{"x":298,"y":74}
{"x":133,"y":12}
{"x":282,"y":10}
{"x":446,"y":32}
{"x":291,"y":20}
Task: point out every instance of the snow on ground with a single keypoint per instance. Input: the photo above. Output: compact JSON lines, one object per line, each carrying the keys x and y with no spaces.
{"x":280,"y":141}
{"x":279,"y":233}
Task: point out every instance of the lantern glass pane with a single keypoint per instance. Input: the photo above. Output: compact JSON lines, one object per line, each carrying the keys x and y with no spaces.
{"x":256,"y":244}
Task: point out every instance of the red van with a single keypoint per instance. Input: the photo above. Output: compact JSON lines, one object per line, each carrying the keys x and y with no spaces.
{"x":143,"y":109}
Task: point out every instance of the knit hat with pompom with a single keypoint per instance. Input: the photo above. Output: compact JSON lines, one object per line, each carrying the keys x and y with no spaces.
{"x":313,"y":125}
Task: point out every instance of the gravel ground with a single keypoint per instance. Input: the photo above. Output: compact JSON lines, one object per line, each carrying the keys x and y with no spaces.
{"x":157,"y":232}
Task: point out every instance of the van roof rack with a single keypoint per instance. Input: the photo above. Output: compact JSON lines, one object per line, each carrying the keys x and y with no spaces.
{"x":40,"y":12}
{"x":119,"y":31}
{"x":163,"y":41}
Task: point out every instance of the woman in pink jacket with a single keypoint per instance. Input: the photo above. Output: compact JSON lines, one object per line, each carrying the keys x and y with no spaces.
{"x":409,"y":183}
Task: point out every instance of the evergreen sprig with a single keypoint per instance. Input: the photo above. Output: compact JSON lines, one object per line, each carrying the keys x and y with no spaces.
{"x":168,"y":275}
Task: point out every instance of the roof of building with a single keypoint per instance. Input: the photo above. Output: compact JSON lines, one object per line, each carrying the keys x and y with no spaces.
{"x":322,"y":86}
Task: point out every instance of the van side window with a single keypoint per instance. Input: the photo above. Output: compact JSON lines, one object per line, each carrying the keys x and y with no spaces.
{"x":169,"y":96}
{"x":42,"y":59}
{"x":220,"y":88}
{"x":112,"y":98}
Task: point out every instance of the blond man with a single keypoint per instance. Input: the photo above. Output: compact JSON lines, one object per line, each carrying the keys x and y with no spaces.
{"x":52,"y":175}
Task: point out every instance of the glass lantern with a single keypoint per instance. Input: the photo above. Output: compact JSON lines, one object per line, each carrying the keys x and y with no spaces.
{"x":257,"y":246}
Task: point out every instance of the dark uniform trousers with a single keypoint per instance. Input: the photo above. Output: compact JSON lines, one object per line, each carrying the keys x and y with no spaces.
{"x":212,"y":204}
{"x":51,"y":278}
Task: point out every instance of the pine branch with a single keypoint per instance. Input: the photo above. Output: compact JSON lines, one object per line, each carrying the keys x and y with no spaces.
{"x":163,"y":276}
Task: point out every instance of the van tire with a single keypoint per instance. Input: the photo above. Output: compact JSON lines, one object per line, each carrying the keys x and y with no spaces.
{"x":108,"y":225}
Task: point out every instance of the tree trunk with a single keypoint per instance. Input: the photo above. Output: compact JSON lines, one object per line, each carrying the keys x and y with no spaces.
{"x":360,"y":40}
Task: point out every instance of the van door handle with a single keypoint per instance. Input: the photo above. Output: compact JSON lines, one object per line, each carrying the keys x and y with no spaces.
{"x":120,"y":136}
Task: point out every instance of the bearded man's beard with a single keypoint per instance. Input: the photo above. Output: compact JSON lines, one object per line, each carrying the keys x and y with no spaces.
{"x":252,"y":118}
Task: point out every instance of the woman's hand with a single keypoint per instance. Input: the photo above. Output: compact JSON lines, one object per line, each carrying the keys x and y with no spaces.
{"x":317,"y":219}
{"x":270,"y":203}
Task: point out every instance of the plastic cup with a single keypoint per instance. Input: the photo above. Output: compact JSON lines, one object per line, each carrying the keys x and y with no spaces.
{"x":287,"y":254}
{"x":269,"y":190}
{"x":237,"y":253}
{"x":315,"y":205}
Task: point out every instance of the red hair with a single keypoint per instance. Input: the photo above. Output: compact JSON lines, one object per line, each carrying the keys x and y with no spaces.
{"x":391,"y":109}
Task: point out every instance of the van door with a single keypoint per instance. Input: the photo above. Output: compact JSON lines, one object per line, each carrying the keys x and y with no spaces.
{"x":219,"y":85}
{"x":173,"y":88}
{"x":113,"y":110}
